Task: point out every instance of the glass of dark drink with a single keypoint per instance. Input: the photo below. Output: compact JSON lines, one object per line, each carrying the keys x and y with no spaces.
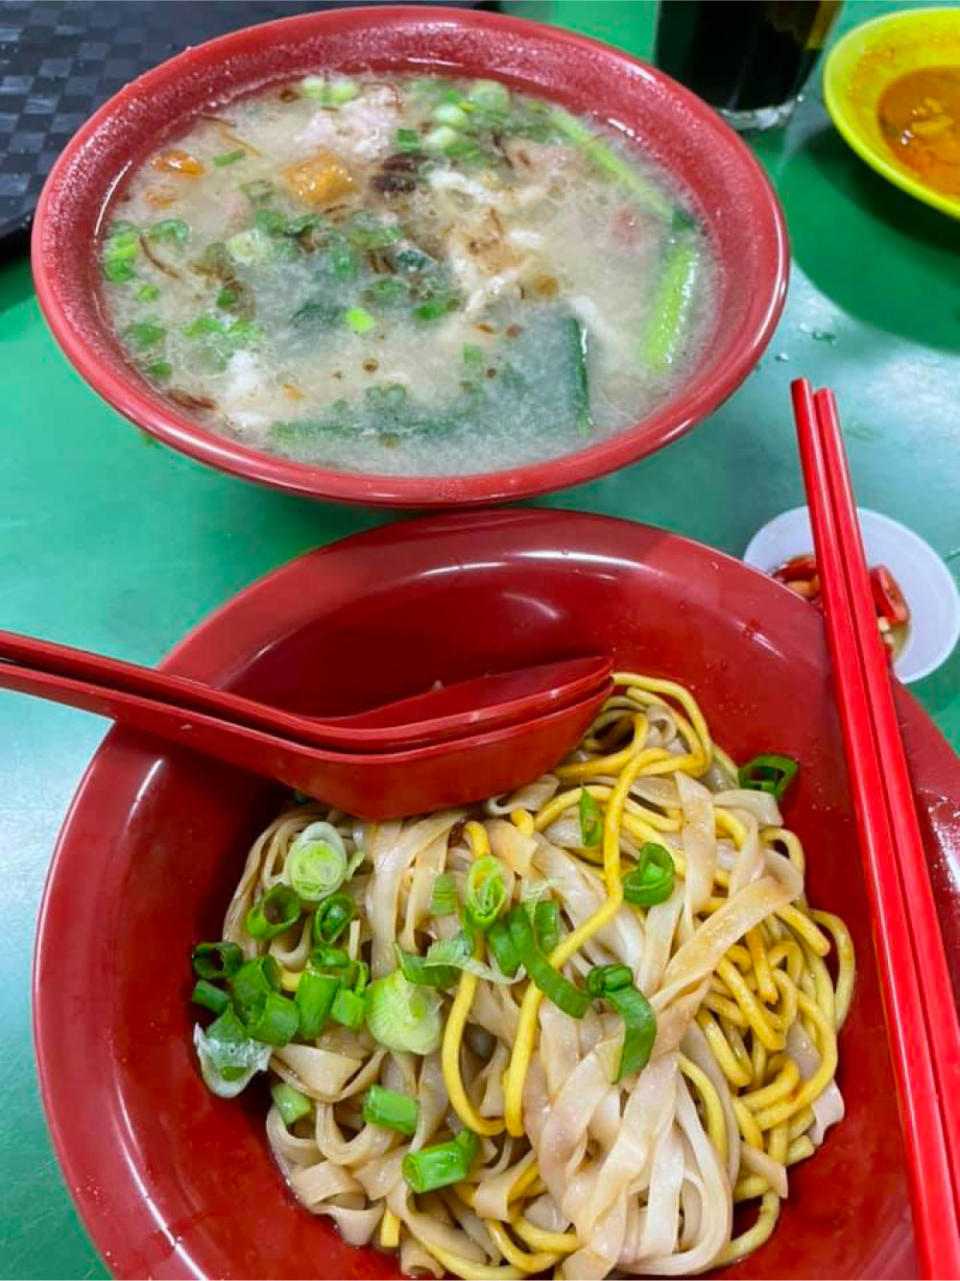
{"x":748,"y":58}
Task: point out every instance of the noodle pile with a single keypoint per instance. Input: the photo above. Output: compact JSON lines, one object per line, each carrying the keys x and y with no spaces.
{"x":577,"y":1174}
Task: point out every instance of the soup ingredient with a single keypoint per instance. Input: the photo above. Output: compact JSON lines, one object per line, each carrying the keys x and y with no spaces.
{"x":568,"y":1022}
{"x":416,"y":275}
{"x":800,"y":574}
{"x":919,"y":115}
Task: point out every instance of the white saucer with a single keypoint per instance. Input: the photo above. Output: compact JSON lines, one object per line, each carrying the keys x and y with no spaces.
{"x":926,"y":582}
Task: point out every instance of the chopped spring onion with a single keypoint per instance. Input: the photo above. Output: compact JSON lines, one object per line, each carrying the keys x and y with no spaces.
{"x":391,"y":1110}
{"x":443,"y":897}
{"x":417,"y":969}
{"x":448,"y":113}
{"x":253,"y":982}
{"x":610,"y":161}
{"x":486,"y":892}
{"x":407,"y":140}
{"x":651,"y":880}
{"x":573,"y":1000}
{"x":229,"y":1059}
{"x":502,"y":949}
{"x":174,"y":229}
{"x":404,"y":1016}
{"x":640,"y":1028}
{"x":148,"y":293}
{"x":332,"y":917}
{"x":441,"y":1165}
{"x":546,"y":925}
{"x":209,"y":996}
{"x":278,"y":910}
{"x":604,"y":979}
{"x":671,"y":306}
{"x":769,"y":772}
{"x":226,"y":298}
{"x":440,"y":138}
{"x":581,"y":385}
{"x":120,"y":248}
{"x":347,"y":1009}
{"x":143,"y":334}
{"x":216,"y":960}
{"x":472,"y":354}
{"x":362,"y":978}
{"x":330,"y":960}
{"x":159,"y":369}
{"x":229,"y":157}
{"x":290,"y":1103}
{"x":343,"y":262}
{"x":273,"y":1020}
{"x":314,"y":999}
{"x":490,"y":94}
{"x":317,"y":862}
{"x":332,"y":93}
{"x":591,"y":819}
{"x":359,"y":320}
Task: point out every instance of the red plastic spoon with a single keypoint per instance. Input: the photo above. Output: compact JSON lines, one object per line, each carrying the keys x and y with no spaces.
{"x":371,"y":785}
{"x":438,"y":715}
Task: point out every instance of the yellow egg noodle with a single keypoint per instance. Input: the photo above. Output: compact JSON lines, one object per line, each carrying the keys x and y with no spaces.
{"x":577,"y":1174}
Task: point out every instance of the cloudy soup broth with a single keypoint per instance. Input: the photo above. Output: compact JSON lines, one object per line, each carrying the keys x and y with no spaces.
{"x":406,"y":275}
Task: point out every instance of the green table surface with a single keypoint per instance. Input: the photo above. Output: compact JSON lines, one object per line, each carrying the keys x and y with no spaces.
{"x":114,"y":543}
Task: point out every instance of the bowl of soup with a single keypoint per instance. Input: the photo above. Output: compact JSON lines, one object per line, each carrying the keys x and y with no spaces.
{"x":410,"y":257}
{"x":175,"y":1179}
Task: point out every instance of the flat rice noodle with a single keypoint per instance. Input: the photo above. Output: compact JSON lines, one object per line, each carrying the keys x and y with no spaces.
{"x":493,"y":1194}
{"x":469,"y":1222}
{"x":427,"y":864}
{"x":292,"y":947}
{"x":783,"y":870}
{"x":495,"y":1010}
{"x":289,"y":1150}
{"x":695,"y":1047}
{"x":415,"y":1260}
{"x":660,"y":927}
{"x":714,"y":1222}
{"x":536,"y":1102}
{"x":582,"y":893}
{"x":490,"y":1082}
{"x":428,"y":1227}
{"x":594,"y":1261}
{"x":698,"y":957}
{"x":661,"y":1222}
{"x":674,"y":1021}
{"x":559,"y":1046}
{"x":267,"y":850}
{"x":699,"y":843}
{"x":648,"y":1113}
{"x":432,"y":1094}
{"x":366,"y":1145}
{"x":546,"y":1214}
{"x":564,"y":1130}
{"x":510,"y":845}
{"x":356,"y":1226}
{"x":321,"y":1074}
{"x":378,"y":1176}
{"x":749,"y":864}
{"x":316,"y":1183}
{"x":828,"y":1107}
{"x":757,"y":1162}
{"x":393,"y":849}
{"x":762,"y":805}
{"x":658,"y":790}
{"x":532,"y":797}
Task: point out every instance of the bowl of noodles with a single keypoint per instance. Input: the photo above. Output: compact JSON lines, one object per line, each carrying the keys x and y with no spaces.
{"x":625,"y":1021}
{"x":411,"y":257}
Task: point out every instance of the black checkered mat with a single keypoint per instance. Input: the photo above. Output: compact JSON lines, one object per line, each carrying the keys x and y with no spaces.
{"x":60,"y":59}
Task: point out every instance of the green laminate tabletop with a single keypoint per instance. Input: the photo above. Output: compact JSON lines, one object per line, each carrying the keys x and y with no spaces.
{"x":117,"y":544}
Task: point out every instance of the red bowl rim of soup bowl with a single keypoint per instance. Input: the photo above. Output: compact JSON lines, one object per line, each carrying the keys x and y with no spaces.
{"x":745,"y":224}
{"x":116,"y":1173}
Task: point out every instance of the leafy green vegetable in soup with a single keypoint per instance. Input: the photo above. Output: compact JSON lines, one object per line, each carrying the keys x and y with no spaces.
{"x":417,"y":275}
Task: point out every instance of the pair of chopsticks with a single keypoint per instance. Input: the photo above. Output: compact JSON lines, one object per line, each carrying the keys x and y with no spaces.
{"x":921,"y":1015}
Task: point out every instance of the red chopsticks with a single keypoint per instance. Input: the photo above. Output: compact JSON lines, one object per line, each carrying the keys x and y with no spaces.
{"x":921,"y":1015}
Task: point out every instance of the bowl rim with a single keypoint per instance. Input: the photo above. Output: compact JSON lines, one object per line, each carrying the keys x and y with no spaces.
{"x":193,"y":656}
{"x":126,"y":392}
{"x":836,"y":74}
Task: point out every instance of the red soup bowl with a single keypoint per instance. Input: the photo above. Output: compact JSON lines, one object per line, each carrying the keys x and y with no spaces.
{"x":173,"y":1182}
{"x":682,"y":134}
